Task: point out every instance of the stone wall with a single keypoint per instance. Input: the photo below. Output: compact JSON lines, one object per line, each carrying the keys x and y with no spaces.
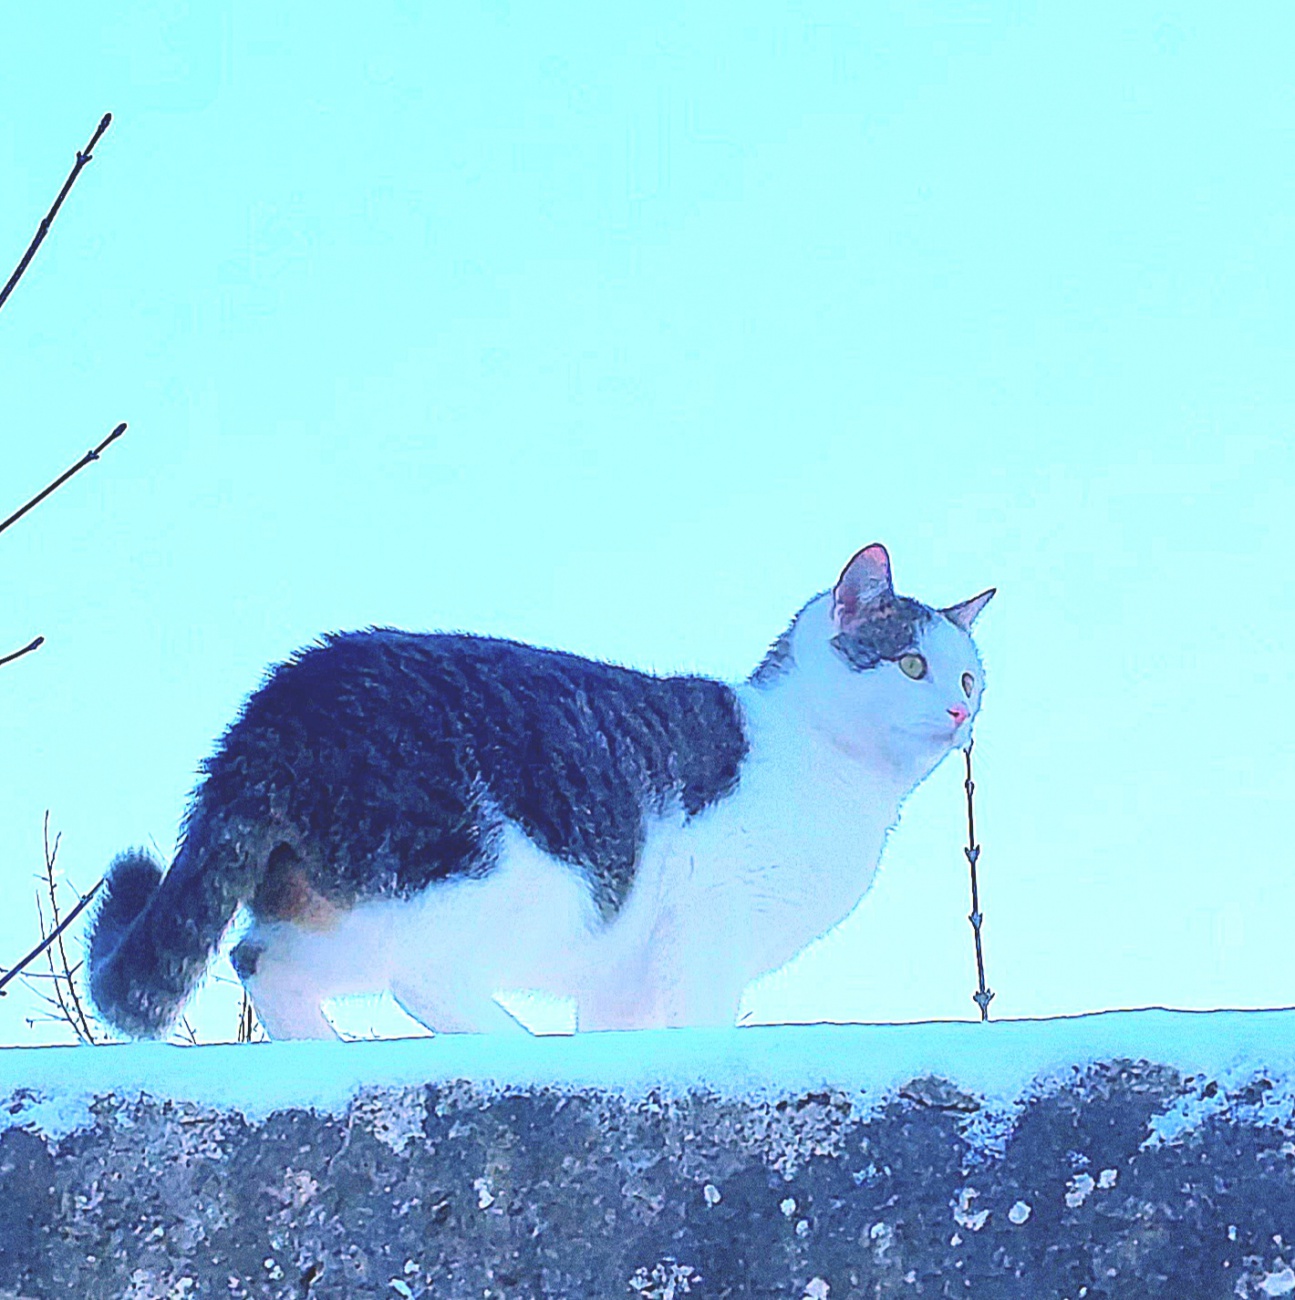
{"x":1133,"y":1176}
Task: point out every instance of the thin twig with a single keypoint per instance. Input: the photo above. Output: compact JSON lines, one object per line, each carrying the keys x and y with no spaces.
{"x":83,"y":156}
{"x":35,"y":977}
{"x":91,"y":455}
{"x":34,"y":644}
{"x":59,"y":999}
{"x":79,"y":1020}
{"x":982,"y":996}
{"x":54,"y":1017}
{"x":45,"y":942}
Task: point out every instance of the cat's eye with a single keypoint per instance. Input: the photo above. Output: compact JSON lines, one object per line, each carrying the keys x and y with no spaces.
{"x":913,"y":666}
{"x":968,"y":681}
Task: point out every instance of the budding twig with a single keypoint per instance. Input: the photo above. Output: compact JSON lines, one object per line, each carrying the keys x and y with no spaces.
{"x":83,"y":156}
{"x":34,"y":644}
{"x":982,"y":996}
{"x":91,"y":455}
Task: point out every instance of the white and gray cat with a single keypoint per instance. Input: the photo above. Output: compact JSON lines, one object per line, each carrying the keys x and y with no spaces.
{"x":450,"y":817}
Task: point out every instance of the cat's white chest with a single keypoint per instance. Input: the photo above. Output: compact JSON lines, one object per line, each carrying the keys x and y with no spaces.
{"x":787,"y":857}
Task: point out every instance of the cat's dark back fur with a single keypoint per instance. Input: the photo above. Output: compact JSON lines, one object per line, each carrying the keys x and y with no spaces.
{"x":395,"y":755}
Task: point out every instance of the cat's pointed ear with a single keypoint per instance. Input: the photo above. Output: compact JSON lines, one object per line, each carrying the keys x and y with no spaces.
{"x":965,"y":614}
{"x":863,"y":587}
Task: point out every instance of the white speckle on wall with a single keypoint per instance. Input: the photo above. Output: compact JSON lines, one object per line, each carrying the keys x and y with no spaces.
{"x":1279,"y":1282}
{"x":1080,"y":1189}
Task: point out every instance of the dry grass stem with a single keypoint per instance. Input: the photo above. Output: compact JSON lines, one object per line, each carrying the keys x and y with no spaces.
{"x":983,"y":995}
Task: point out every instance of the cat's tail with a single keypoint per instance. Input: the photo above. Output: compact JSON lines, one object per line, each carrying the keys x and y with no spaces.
{"x":153,"y":935}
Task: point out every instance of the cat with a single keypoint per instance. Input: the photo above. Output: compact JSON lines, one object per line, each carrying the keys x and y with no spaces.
{"x":449,"y":817}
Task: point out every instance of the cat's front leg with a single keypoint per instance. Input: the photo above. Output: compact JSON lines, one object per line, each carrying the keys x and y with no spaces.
{"x":674,"y":984}
{"x":698,"y":964}
{"x":714,"y":1006}
{"x":445,"y":1007}
{"x":710,"y":1008}
{"x":617,"y":1007}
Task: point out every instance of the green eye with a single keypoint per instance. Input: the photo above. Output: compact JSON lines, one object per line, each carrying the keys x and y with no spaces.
{"x":968,"y":681}
{"x":913,"y":666}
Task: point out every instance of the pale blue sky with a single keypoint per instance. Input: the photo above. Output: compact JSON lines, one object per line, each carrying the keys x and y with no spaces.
{"x":620,"y":333}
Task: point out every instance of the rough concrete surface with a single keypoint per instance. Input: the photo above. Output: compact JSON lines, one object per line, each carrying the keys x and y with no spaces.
{"x":454,"y":1191}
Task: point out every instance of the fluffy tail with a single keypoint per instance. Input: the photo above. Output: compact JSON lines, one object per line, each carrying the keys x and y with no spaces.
{"x":154,"y":935}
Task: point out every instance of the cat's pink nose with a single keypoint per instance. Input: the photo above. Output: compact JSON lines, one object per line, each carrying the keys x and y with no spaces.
{"x":959,"y":715}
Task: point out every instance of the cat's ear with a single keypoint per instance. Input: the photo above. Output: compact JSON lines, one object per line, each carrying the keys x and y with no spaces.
{"x":965,"y":614}
{"x":863,"y":587}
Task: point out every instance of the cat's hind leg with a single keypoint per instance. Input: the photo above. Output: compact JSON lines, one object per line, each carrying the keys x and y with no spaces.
{"x":670,"y":979}
{"x":287,"y":1002}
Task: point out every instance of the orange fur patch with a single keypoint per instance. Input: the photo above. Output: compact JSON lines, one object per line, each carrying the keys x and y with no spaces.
{"x":286,"y":895}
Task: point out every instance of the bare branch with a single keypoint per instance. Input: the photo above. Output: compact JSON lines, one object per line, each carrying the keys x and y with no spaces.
{"x":83,"y":156}
{"x":50,"y":938}
{"x":34,"y":644}
{"x":91,"y":455}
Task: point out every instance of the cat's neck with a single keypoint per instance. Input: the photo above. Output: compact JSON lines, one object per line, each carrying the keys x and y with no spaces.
{"x":788,"y":736}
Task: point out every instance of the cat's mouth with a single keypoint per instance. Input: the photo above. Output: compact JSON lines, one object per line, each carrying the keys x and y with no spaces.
{"x":942,"y":731}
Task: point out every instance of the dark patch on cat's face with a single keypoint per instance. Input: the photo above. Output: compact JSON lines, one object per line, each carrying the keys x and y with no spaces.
{"x":889,"y":630}
{"x":777,"y":660}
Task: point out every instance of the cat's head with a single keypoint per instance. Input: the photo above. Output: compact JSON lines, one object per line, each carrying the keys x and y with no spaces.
{"x":882,"y":675}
